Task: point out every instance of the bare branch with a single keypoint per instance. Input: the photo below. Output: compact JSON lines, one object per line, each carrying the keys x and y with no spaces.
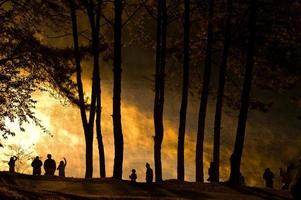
{"x":132,"y":15}
{"x":150,"y":12}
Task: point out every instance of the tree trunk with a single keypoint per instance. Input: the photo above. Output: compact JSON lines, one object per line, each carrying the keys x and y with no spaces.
{"x":87,"y":132}
{"x":94,"y":19}
{"x":203,"y":104}
{"x":159,"y":87}
{"x":245,"y":98}
{"x":220,"y":94}
{"x":185,"y":87}
{"x":118,"y":137}
{"x":95,"y":24}
{"x":89,"y":154}
{"x":101,"y":153}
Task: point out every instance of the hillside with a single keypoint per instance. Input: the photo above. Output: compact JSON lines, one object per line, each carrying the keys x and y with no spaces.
{"x":20,"y":186}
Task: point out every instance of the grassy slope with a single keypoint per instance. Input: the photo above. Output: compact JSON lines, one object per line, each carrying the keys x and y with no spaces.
{"x":28,"y":187}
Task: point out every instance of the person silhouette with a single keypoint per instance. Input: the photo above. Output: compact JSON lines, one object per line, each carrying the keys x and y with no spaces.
{"x":149,"y":173}
{"x":268,"y":176}
{"x":62,"y":167}
{"x":133,"y":176}
{"x":49,"y":165}
{"x":285,"y":178}
{"x":211,"y":172}
{"x":36,"y":165}
{"x":295,"y":186}
{"x":12,"y":164}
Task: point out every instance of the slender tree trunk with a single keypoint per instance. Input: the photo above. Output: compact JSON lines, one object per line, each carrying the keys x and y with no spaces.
{"x":203,"y":104}
{"x":220,"y":93}
{"x":185,"y":87}
{"x":245,"y":98}
{"x":118,"y":137}
{"x":101,"y":153}
{"x":89,"y":154}
{"x":96,"y":93}
{"x":158,"y":134}
{"x":87,"y":131}
{"x":159,"y":87}
{"x":94,"y":19}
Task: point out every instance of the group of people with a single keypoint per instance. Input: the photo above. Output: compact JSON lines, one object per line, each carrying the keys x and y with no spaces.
{"x":148,"y":177}
{"x":290,"y":178}
{"x":49,"y":166}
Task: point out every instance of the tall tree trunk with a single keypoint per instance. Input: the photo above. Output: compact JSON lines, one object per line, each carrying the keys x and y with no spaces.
{"x":118,"y":137}
{"x":96,"y":90}
{"x":87,"y":131}
{"x":101,"y":152}
{"x":185,"y":87}
{"x":159,"y":87}
{"x":203,"y":104}
{"x":94,"y":19}
{"x":245,"y":97}
{"x":220,"y":93}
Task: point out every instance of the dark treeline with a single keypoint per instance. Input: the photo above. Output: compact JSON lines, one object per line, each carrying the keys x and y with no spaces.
{"x":231,"y":36}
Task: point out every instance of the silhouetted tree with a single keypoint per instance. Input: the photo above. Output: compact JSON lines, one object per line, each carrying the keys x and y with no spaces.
{"x":220,"y":93}
{"x":159,"y":86}
{"x":27,"y":65}
{"x":94,"y":19}
{"x":87,"y":131}
{"x":24,"y":156}
{"x":245,"y":97}
{"x":88,"y":125}
{"x":185,"y":86}
{"x":101,"y":153}
{"x":117,"y":23}
{"x":204,"y":97}
{"x":118,"y":136}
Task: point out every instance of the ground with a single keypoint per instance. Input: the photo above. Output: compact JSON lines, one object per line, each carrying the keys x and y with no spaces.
{"x":20,"y":186}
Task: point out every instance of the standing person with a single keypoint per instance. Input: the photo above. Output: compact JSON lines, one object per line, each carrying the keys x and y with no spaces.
{"x":62,"y":167}
{"x":49,"y":165}
{"x":149,"y":173}
{"x":211,"y":172}
{"x":285,"y":177}
{"x":268,"y":176}
{"x":133,"y":176}
{"x":295,"y":187}
{"x":12,"y":163}
{"x":36,"y":165}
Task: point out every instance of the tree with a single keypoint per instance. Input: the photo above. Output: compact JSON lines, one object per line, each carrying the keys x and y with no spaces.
{"x":101,"y":152}
{"x":27,"y":65}
{"x":220,"y":92}
{"x":88,"y":136}
{"x":204,"y":97}
{"x":88,"y":125}
{"x":24,"y":155}
{"x":245,"y":97}
{"x":118,"y":136}
{"x":159,"y":86}
{"x":185,"y":87}
{"x":94,"y":19}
